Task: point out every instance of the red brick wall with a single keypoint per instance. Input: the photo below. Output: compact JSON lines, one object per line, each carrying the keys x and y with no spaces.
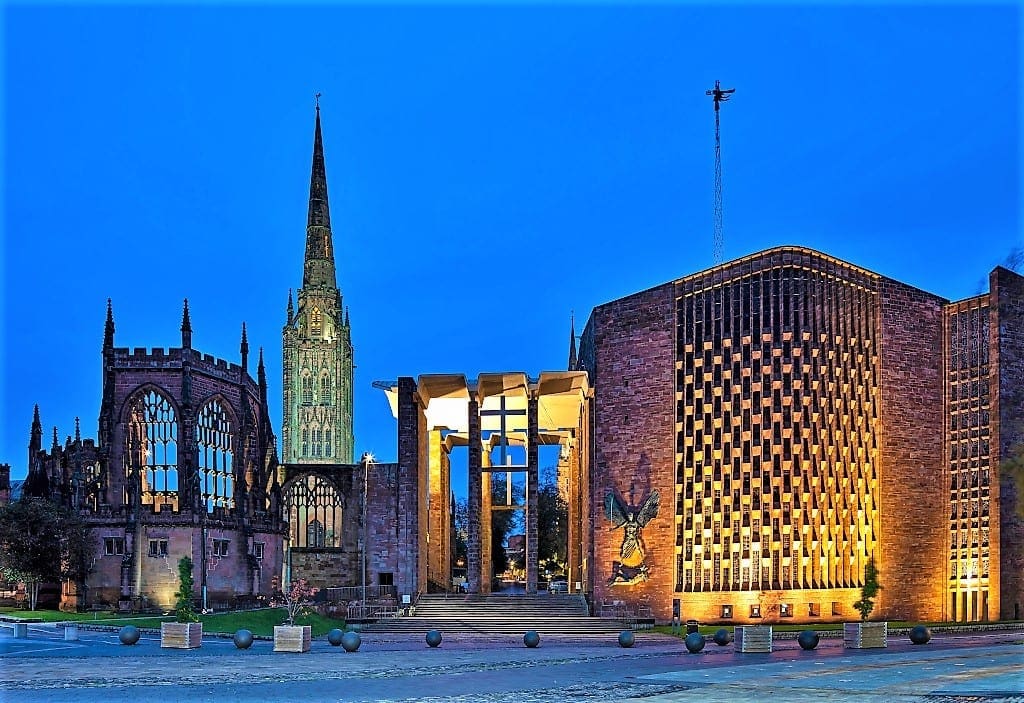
{"x":1006,"y":354}
{"x":914,"y":498}
{"x":633,"y":360}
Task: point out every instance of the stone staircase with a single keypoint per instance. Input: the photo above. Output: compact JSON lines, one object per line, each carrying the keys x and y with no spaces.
{"x":548,"y":614}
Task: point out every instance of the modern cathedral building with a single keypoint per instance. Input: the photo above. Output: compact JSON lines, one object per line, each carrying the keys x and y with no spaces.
{"x":797,"y":416}
{"x":734,"y":446}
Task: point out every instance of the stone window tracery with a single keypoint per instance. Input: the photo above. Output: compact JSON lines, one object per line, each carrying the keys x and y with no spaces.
{"x":152,"y":449}
{"x":314,"y":509}
{"x":216,"y":456}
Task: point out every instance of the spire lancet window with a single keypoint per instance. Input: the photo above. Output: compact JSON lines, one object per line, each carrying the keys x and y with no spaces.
{"x":316,"y":323}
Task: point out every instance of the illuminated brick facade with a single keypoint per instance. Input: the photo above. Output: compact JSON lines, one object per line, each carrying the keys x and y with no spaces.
{"x":971,"y":488}
{"x":801,"y":400}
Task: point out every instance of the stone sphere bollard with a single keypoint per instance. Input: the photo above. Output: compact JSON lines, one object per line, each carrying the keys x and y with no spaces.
{"x":694,"y":642}
{"x":920,"y":634}
{"x":433,"y":638}
{"x":335,"y":636}
{"x":129,"y":634}
{"x":242,"y":639}
{"x":531,"y":639}
{"x":351,"y":641}
{"x":808,"y":639}
{"x":721,"y":637}
{"x":627,"y":639}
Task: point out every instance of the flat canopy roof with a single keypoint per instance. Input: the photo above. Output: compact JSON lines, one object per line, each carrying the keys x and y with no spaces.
{"x":501,"y":396}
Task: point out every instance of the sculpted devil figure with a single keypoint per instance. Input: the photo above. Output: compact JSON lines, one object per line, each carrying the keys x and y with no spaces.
{"x":630,"y":568}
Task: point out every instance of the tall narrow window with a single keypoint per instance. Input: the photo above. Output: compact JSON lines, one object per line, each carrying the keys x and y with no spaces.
{"x":325,"y":390}
{"x":307,"y":389}
{"x":152,"y":448}
{"x":216,"y":470}
{"x":316,"y":324}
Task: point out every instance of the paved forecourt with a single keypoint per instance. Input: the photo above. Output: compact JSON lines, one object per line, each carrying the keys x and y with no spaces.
{"x":497,"y":669}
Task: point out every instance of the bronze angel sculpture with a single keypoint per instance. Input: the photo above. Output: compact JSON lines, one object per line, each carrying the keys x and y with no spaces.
{"x":630,"y":568}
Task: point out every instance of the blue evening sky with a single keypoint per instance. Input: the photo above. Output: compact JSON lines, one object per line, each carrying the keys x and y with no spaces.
{"x":490,"y":167}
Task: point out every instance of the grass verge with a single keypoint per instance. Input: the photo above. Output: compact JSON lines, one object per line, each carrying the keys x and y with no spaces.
{"x":259,"y":622}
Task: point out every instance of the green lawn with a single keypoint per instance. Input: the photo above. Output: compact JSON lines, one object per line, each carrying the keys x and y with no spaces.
{"x":259,"y":622}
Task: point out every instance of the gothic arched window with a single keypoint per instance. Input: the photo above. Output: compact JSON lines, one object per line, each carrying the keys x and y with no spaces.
{"x":325,"y":390}
{"x":216,"y":458}
{"x":316,"y":323}
{"x":314,"y":509}
{"x":152,"y":448}
{"x":307,"y":389}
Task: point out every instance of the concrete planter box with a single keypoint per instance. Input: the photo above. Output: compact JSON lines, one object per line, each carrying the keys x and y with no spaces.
{"x":753,"y":638}
{"x":292,"y":638}
{"x":181,"y":635}
{"x":865,"y":635}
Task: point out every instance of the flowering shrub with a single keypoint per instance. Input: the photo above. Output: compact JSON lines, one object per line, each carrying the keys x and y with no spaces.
{"x":296,"y":600}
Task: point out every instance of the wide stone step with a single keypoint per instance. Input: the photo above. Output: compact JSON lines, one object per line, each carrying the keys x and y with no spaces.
{"x":548,"y":626}
{"x":548,"y":614}
{"x":423,"y":609}
{"x":511,"y":606}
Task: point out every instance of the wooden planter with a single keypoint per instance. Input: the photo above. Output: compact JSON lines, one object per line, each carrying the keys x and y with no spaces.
{"x":292,"y":638}
{"x":181,"y":635}
{"x":865,"y":635}
{"x":753,"y":638}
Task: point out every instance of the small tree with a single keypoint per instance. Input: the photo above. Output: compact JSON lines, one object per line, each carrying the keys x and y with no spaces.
{"x":296,"y":601}
{"x":868,"y":591}
{"x":41,"y":542}
{"x":184,"y":610}
{"x":552,"y":524}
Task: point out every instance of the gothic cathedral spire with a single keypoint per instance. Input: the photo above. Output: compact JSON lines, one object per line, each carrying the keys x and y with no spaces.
{"x":318,"y":269}
{"x":573,"y":361}
{"x":317,"y":343}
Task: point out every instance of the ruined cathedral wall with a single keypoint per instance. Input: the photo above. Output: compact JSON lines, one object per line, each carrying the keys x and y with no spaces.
{"x":388,"y":549}
{"x":632,"y":359}
{"x":164,"y":536}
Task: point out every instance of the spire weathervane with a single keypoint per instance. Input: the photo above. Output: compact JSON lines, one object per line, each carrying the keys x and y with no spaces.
{"x":317,"y":98}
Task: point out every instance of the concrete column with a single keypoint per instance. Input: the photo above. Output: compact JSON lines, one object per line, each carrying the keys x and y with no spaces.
{"x":473,"y":565}
{"x":437,"y":568}
{"x":486,"y":525}
{"x":532,"y":478}
{"x":573,"y":556}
